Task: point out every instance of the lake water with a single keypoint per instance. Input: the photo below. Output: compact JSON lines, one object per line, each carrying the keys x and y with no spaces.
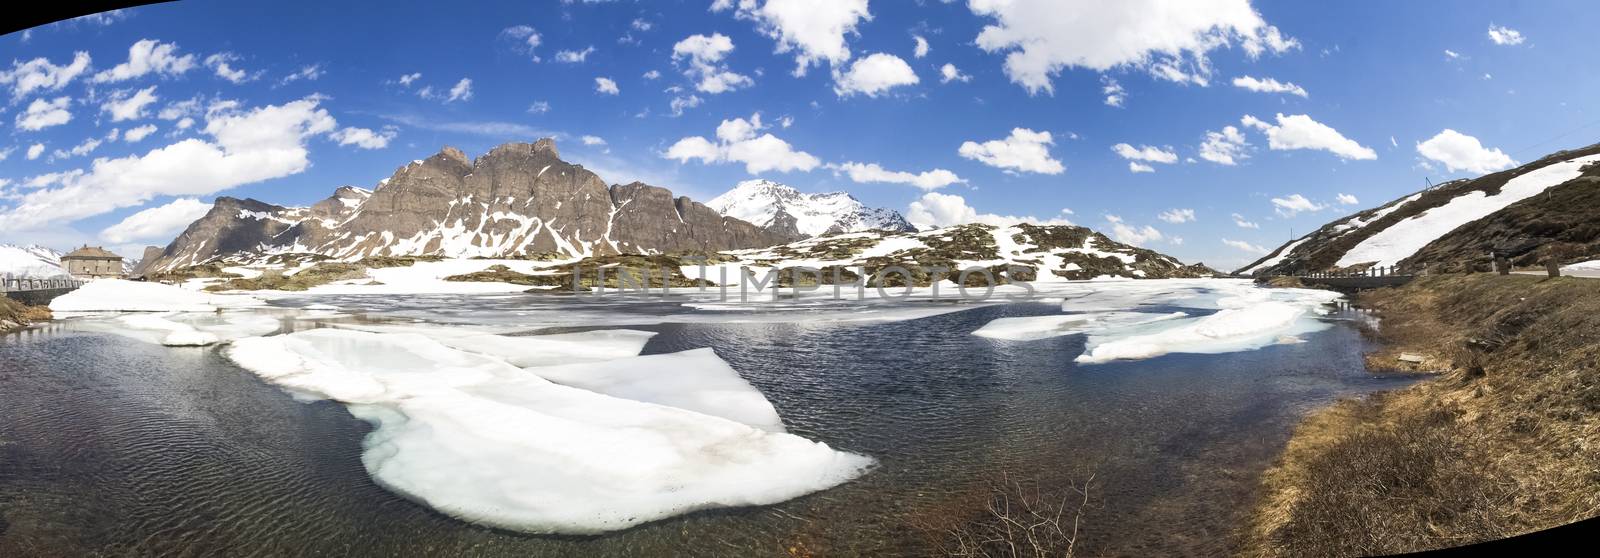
{"x":110,"y":445}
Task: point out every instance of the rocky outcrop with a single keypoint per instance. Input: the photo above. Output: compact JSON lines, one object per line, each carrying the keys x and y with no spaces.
{"x":518,"y":199}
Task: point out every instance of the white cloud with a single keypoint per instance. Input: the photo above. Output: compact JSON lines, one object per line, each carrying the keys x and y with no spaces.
{"x":308,"y":73}
{"x":684,"y":102}
{"x":539,"y":107}
{"x":1451,"y":54}
{"x":35,"y":150}
{"x":406,"y":80}
{"x":245,"y":146}
{"x":934,"y":209}
{"x":1246,"y":246}
{"x":574,"y":56}
{"x":1459,"y":151}
{"x":921,"y":48}
{"x":1170,"y":40}
{"x":123,"y":106}
{"x":872,"y":172}
{"x":86,"y":147}
{"x":949,"y":73}
{"x":873,"y":75}
{"x":222,"y":64}
{"x":461,"y":91}
{"x":1226,"y":147}
{"x":606,"y":86}
{"x":1176,"y":216}
{"x":1024,"y":150}
{"x":1348,"y":199}
{"x":40,"y":75}
{"x":364,"y":138}
{"x":652,"y":74}
{"x":738,"y":142}
{"x":1138,"y":167}
{"x":813,"y":29}
{"x":525,"y":39}
{"x":1502,"y":35}
{"x":1293,"y":204}
{"x":592,"y":140}
{"x":1243,"y":223}
{"x":1115,"y":94}
{"x":1128,"y":234}
{"x":160,"y":223}
{"x":1269,"y":85}
{"x":136,"y":134}
{"x":42,"y":114}
{"x":1299,"y":131}
{"x":641,"y":24}
{"x":704,"y":55}
{"x":145,"y":57}
{"x":1146,"y":153}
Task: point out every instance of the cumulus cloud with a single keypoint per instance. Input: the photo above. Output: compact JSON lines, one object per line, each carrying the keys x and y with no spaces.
{"x":86,"y":147}
{"x":408,"y":79}
{"x":574,"y":56}
{"x":308,"y":73}
{"x":1502,"y":35}
{"x":1170,"y":40}
{"x":683,"y":102}
{"x":1024,"y":150}
{"x":814,"y":30}
{"x":1246,"y":246}
{"x":921,"y":48}
{"x":539,"y":107}
{"x":42,"y":114}
{"x":1299,"y":131}
{"x":741,"y":141}
{"x":1129,"y":234}
{"x":35,"y":150}
{"x":1269,"y":85}
{"x":1224,"y":148}
{"x":592,"y":140}
{"x":461,"y":91}
{"x":1347,"y":199}
{"x":1241,"y":222}
{"x":134,"y":135}
{"x":1139,"y":157}
{"x":244,"y":146}
{"x":160,"y":223}
{"x":40,"y":75}
{"x":934,"y":209}
{"x":605,"y":86}
{"x":1461,"y":152}
{"x":365,"y":138}
{"x":949,"y":72}
{"x":873,"y":75}
{"x":1115,"y":94}
{"x":1293,"y":204}
{"x":872,"y":172}
{"x":524,"y":39}
{"x":1176,"y":216}
{"x":222,"y":64}
{"x":704,"y":55}
{"x":145,"y":57}
{"x":124,"y":106}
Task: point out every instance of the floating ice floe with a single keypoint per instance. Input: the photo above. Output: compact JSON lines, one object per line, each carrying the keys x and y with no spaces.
{"x":184,"y":329}
{"x":479,"y":439}
{"x":116,"y":295}
{"x":1237,"y":327}
{"x":1041,"y":327}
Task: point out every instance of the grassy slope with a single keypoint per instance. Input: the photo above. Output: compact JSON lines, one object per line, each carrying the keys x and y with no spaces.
{"x":1505,"y":442}
{"x":16,"y":315}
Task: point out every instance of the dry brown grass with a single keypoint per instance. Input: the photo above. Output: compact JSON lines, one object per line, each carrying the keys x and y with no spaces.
{"x":1015,"y":519}
{"x":1505,"y":442}
{"x":16,"y":315}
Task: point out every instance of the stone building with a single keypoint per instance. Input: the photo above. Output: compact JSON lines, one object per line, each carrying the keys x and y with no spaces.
{"x":92,"y":262}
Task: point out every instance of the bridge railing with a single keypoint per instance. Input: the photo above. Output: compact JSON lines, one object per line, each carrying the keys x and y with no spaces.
{"x":12,"y":283}
{"x":1375,"y":271}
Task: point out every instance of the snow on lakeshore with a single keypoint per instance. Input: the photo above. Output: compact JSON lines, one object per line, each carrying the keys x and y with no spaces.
{"x":116,"y":295}
{"x":1042,"y":327}
{"x":482,"y":440}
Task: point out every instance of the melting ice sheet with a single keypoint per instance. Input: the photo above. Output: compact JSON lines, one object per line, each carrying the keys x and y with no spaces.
{"x":1248,"y":318}
{"x":477,"y":438}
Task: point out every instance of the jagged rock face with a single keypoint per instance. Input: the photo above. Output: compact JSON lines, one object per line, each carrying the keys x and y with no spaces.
{"x":517,"y":199}
{"x":150,"y":256}
{"x":786,"y":211}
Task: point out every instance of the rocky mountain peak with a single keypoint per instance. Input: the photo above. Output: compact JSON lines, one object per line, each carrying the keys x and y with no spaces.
{"x":786,"y":211}
{"x":547,"y":145}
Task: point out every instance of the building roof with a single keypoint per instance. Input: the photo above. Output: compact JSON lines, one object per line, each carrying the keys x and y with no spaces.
{"x":95,"y":252}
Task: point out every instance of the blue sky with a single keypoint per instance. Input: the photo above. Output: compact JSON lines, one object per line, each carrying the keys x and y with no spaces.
{"x":288,"y":100}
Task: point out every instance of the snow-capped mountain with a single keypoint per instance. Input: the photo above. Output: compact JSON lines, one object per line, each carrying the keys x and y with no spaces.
{"x":1552,"y":204}
{"x":786,"y":211}
{"x":518,"y":199}
{"x":30,"y":261}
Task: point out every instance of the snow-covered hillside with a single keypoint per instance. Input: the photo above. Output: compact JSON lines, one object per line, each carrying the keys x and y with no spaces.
{"x":785,"y":210}
{"x":1456,"y":223}
{"x":30,"y":261}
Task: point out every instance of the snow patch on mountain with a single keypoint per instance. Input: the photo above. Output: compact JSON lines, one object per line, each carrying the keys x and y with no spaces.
{"x":786,"y":210}
{"x":30,"y":261}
